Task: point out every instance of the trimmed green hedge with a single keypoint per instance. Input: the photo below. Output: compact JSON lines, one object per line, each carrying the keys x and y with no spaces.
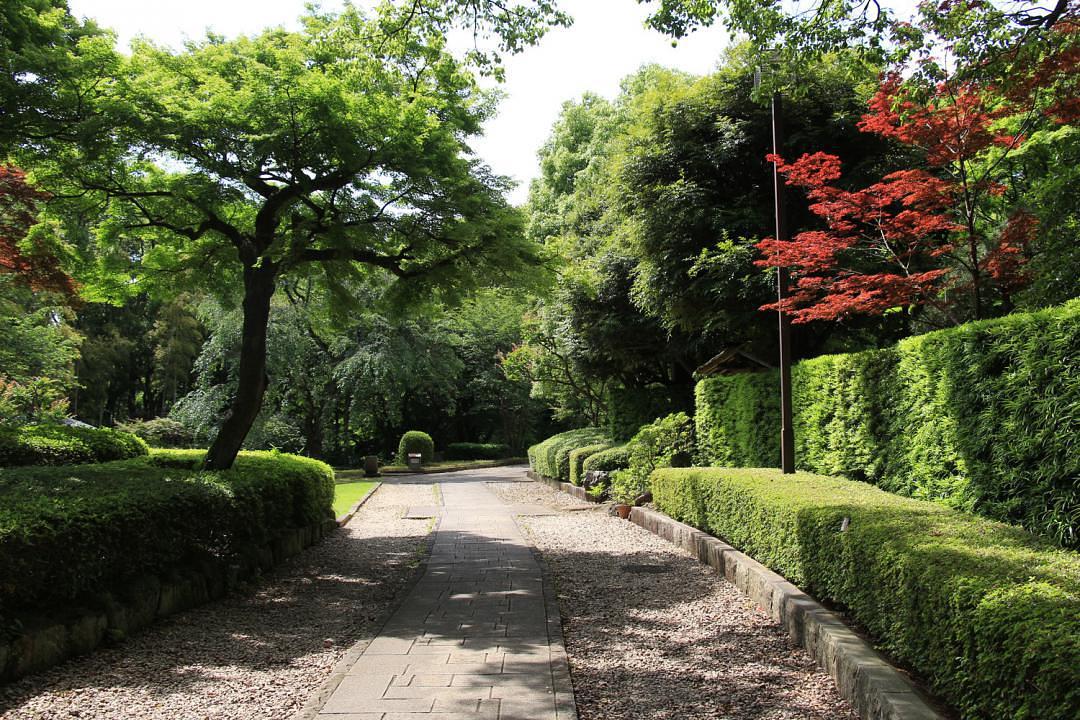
{"x":416,"y":441}
{"x":66,"y":532}
{"x":161,"y":432}
{"x":988,"y":613}
{"x":476,"y":451}
{"x":578,"y":458}
{"x":985,"y":417}
{"x":616,"y":458}
{"x":65,"y":445}
{"x":551,"y":458}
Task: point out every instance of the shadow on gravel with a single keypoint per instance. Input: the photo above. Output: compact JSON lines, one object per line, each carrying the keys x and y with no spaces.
{"x":341,"y":589}
{"x":654,"y":634}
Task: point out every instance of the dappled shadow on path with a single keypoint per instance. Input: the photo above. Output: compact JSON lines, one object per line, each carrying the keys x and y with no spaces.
{"x":652,"y":633}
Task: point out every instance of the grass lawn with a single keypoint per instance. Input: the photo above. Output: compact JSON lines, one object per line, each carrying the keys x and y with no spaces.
{"x":346,"y":494}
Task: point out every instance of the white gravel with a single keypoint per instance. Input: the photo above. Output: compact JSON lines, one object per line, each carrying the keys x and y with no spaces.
{"x":679,"y":643}
{"x":256,"y":654}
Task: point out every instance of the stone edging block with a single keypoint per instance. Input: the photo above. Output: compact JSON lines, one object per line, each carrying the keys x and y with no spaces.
{"x":876,"y":689}
{"x":52,"y":637}
{"x":573,"y":490}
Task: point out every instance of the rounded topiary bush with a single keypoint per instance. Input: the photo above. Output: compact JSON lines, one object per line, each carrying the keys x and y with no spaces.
{"x":616,"y":458}
{"x":416,"y":441}
{"x":578,"y":458}
{"x":66,"y":445}
{"x":161,"y":432}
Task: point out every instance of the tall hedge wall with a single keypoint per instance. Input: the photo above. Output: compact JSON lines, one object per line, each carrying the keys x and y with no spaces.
{"x":66,"y":532}
{"x":985,"y":417}
{"x":986,"y":612}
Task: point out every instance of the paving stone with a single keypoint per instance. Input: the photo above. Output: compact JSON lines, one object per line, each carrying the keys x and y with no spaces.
{"x":472,"y":638}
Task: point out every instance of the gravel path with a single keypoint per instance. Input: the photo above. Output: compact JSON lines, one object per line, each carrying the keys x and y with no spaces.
{"x":255,"y":654}
{"x":652,"y":633}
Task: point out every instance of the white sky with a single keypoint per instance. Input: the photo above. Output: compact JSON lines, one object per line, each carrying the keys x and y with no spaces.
{"x":607,"y":42}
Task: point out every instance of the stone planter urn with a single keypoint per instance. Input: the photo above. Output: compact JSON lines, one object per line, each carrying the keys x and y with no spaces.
{"x":371,"y":466}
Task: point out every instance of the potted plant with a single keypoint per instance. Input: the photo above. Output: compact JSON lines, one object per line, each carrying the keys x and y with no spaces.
{"x":626,"y":486}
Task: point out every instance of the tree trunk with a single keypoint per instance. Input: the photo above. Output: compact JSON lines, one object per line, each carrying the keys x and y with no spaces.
{"x":252,"y":379}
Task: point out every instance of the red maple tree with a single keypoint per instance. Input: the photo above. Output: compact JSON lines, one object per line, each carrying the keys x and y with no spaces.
{"x":37,"y":266}
{"x":904,"y":240}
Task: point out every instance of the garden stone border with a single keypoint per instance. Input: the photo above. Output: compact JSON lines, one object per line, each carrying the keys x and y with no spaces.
{"x":55,"y":635}
{"x":572,"y":490}
{"x":876,"y":689}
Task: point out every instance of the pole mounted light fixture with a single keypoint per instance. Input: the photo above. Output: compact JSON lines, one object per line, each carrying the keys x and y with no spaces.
{"x":787,"y":431}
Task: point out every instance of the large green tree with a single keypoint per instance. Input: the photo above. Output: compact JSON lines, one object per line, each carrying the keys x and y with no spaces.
{"x":336,"y":150}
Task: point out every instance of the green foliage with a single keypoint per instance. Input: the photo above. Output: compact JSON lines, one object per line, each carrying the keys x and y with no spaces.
{"x":984,"y":417}
{"x":615,"y":458}
{"x":72,"y":531}
{"x":415,"y":441}
{"x":579,"y":456}
{"x":476,"y":451}
{"x":48,"y":59}
{"x":630,"y":408}
{"x":551,"y":458}
{"x":987,"y":613}
{"x":666,"y":442}
{"x":65,"y":445}
{"x":736,"y":420}
{"x":160,"y":432}
{"x":38,"y":349}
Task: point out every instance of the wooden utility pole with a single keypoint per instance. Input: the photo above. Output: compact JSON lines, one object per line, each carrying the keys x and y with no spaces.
{"x":787,"y":432}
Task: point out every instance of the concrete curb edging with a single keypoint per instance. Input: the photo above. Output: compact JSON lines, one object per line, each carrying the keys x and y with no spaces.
{"x":344,"y":519}
{"x":876,"y":689}
{"x":573,"y":490}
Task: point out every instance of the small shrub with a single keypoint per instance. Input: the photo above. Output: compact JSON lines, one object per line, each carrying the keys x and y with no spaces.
{"x":160,"y":432}
{"x":666,"y":442}
{"x":615,"y":458}
{"x":988,"y":613}
{"x":578,"y":458}
{"x":65,"y":445}
{"x":476,"y":451}
{"x":551,"y":458}
{"x":416,"y":441}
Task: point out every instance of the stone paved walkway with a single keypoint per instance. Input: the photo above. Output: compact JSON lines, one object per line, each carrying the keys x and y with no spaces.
{"x":478,"y":638}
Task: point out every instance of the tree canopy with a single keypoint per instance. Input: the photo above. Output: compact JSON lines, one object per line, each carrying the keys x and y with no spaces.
{"x":336,"y":150}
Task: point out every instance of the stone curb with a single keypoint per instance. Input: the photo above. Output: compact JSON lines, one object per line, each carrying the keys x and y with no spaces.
{"x":344,"y":519}
{"x":317,"y":699}
{"x":876,"y":689}
{"x":573,"y":490}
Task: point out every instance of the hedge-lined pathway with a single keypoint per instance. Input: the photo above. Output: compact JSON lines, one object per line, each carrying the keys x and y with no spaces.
{"x":649,"y":632}
{"x":256,"y":654}
{"x":477,"y":638}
